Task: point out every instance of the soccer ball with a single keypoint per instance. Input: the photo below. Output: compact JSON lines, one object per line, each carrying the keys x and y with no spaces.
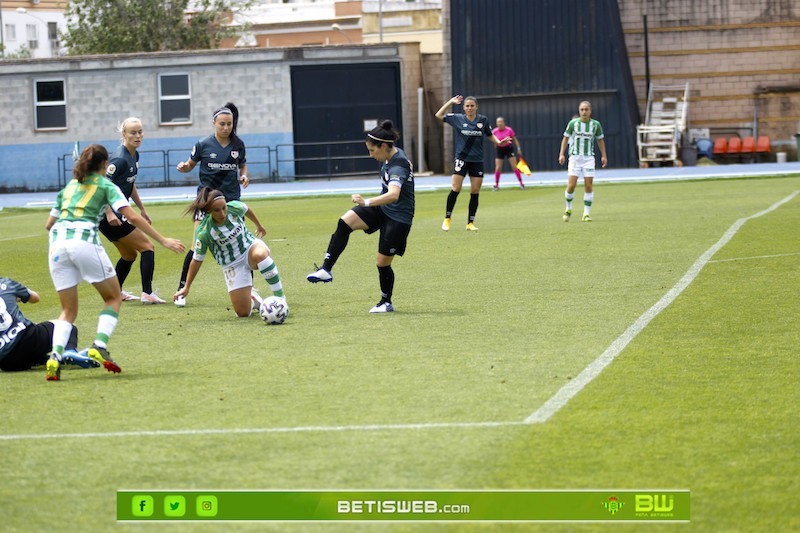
{"x":274,"y":310}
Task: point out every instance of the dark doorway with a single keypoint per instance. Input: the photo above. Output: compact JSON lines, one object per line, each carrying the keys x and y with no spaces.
{"x":333,"y":106}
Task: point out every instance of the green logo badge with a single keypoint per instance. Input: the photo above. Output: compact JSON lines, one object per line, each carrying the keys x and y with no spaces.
{"x":142,"y":505}
{"x":207,"y":505}
{"x":613,"y":505}
{"x":174,"y":506}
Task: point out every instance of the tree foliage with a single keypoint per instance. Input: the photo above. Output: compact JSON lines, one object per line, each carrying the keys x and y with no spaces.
{"x":120,"y":26}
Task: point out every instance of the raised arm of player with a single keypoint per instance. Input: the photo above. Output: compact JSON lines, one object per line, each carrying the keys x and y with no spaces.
{"x":457,"y":99}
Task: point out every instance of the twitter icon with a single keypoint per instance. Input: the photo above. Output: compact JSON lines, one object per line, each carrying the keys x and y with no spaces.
{"x":174,"y":506}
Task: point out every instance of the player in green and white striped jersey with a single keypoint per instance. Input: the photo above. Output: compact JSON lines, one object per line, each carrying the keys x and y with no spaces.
{"x":76,"y":253}
{"x":579,"y":136}
{"x":223,"y":232}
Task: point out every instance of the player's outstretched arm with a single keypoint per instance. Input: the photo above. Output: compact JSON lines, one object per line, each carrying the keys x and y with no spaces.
{"x":137,"y":220}
{"x":496,"y":142}
{"x":194,"y":268}
{"x":260,"y":231}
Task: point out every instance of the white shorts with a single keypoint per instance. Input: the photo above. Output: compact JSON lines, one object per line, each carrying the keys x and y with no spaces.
{"x":74,"y":260}
{"x":239,"y":274}
{"x":581,"y":166}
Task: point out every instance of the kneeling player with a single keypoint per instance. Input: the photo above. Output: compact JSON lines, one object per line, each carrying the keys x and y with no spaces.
{"x":222,"y":231}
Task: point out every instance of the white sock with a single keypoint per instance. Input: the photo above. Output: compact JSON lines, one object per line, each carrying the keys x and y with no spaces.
{"x":569,"y":197}
{"x":61,"y":332}
{"x":106,"y":323}
{"x":269,"y":270}
{"x":588,"y":198}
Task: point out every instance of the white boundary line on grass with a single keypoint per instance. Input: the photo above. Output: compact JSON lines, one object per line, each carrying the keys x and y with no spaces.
{"x":20,"y":237}
{"x":251,"y":431}
{"x":544,"y":413}
{"x":753,"y":257}
{"x":568,"y":391}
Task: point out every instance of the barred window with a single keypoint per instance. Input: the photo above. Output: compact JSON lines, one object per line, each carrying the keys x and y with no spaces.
{"x":174,"y":99}
{"x":50,"y":104}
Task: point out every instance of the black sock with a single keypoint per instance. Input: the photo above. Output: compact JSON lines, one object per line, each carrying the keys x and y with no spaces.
{"x":185,"y":272}
{"x":337,"y":245}
{"x":386,"y":277}
{"x":147,"y":266}
{"x":72,"y":342}
{"x":473,"y":206}
{"x":123,"y":268}
{"x":451,"y":203}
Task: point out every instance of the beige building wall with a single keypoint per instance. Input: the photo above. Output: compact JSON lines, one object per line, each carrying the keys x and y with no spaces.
{"x":411,"y":79}
{"x":430,"y":42}
{"x":741,"y":59}
{"x":421,"y":26}
{"x":436,"y":92}
{"x":42,"y":5}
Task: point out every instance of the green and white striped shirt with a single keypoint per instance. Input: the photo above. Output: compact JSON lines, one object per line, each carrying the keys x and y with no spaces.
{"x":582,"y":135}
{"x":227,"y":242}
{"x":80,"y":206}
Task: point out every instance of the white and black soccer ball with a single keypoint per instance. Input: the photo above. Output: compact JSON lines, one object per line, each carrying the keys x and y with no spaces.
{"x":274,"y":310}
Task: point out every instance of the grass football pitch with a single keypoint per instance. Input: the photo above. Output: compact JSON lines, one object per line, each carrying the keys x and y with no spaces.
{"x":489,"y":327}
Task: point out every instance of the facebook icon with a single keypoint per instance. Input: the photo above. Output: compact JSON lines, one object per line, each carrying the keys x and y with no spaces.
{"x":142,"y":505}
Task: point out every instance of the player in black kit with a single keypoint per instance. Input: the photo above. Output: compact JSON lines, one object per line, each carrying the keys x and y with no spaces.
{"x":470,"y":130}
{"x":391,"y":213}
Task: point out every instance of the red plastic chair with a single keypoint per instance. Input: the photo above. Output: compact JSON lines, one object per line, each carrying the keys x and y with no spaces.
{"x":748,"y":149}
{"x":763,"y":145}
{"x":734,"y":149}
{"x":720,"y":146}
{"x":734,"y":146}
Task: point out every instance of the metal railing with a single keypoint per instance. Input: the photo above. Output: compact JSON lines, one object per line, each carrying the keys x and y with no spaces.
{"x":323,"y":159}
{"x":284,"y":162}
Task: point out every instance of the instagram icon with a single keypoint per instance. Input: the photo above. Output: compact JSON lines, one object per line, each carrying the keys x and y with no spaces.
{"x":206,"y":505}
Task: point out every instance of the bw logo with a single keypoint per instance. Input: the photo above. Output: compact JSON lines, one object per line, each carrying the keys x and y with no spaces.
{"x":659,"y":503}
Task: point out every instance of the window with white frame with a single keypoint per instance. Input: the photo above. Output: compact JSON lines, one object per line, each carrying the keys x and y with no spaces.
{"x":174,"y":99}
{"x":10,"y":32}
{"x":50,"y":103}
{"x":32,"y":32}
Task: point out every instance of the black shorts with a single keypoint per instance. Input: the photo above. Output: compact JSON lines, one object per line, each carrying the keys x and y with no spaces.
{"x":33,"y":347}
{"x":504,"y":152}
{"x":393,"y":234}
{"x":473,"y":168}
{"x":115,"y":233}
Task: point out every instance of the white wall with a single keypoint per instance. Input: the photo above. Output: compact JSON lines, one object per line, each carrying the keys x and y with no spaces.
{"x":20,"y":21}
